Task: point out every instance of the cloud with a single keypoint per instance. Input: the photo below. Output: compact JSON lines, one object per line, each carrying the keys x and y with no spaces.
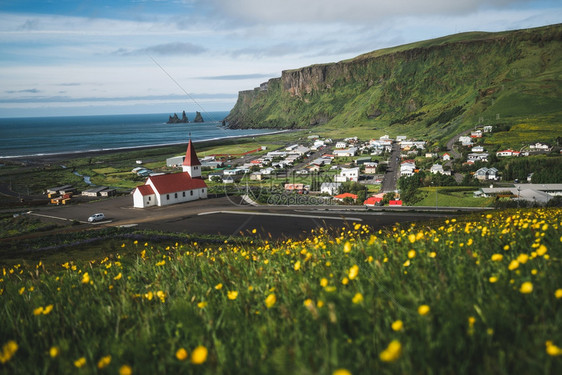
{"x":166,"y":49}
{"x":26,"y":91}
{"x":67,"y":99}
{"x":235,"y":77}
{"x":296,"y":11}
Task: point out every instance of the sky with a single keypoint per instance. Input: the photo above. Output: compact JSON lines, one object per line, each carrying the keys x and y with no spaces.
{"x":73,"y":57}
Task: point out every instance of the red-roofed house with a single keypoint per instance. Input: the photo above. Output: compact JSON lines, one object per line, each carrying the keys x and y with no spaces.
{"x":166,"y":189}
{"x":372,"y":201}
{"x":341,"y":197}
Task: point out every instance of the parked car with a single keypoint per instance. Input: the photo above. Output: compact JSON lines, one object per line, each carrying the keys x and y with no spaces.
{"x":96,"y":217}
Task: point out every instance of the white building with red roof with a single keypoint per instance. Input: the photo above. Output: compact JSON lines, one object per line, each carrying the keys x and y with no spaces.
{"x":166,"y":189}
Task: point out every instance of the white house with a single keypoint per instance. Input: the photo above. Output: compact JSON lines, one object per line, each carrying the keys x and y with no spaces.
{"x":166,"y":189}
{"x":508,"y":152}
{"x":486,"y":174}
{"x":476,"y":134}
{"x":352,"y":151}
{"x":407,"y":168}
{"x":446,"y":156}
{"x":465,"y":140}
{"x":341,"y":144}
{"x":478,"y":156}
{"x":436,"y":168}
{"x":331,"y":188}
{"x":539,"y":147}
{"x":348,"y":174}
{"x":478,"y":148}
{"x":488,"y":128}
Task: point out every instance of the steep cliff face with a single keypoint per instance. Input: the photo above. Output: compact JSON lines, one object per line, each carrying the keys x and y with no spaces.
{"x":415,"y":84}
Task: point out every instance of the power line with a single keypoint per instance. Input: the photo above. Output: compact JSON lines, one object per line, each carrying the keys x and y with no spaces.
{"x":182,"y":89}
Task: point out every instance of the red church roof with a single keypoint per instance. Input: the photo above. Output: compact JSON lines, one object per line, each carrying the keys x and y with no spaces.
{"x":191,"y":156}
{"x":172,"y":183}
{"x":145,"y":189}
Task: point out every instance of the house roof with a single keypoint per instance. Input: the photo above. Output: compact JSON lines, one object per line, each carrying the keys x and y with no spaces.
{"x":145,"y":190}
{"x":346,"y":195}
{"x":172,"y":183}
{"x":372,"y":200}
{"x":190,"y":156}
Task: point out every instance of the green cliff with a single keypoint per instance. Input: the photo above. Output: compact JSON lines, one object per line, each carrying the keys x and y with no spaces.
{"x":431,"y":88}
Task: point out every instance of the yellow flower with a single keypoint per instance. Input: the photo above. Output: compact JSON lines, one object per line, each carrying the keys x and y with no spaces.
{"x":522,"y":258}
{"x":433,"y":254}
{"x":162,"y":295}
{"x":392,"y":352}
{"x":118,"y":277}
{"x":47,"y":309}
{"x":161,"y":263}
{"x":411,"y":254}
{"x":199,"y":355}
{"x":407,"y":263}
{"x":347,"y":247}
{"x":85,"y":280}
{"x":38,"y":311}
{"x":541,"y":250}
{"x":218,"y":286}
{"x":104,"y":361}
{"x":497,"y":258}
{"x":125,"y":370}
{"x":345,"y":281}
{"x":323,"y":282}
{"x":526,"y":287}
{"x":341,"y":371}
{"x":297,"y":265}
{"x":181,"y":354}
{"x":202,"y":304}
{"x":423,"y":310}
{"x":552,"y":349}
{"x":8,"y":350}
{"x":21,"y":290}
{"x":232,"y":294}
{"x":558,"y":293}
{"x":514,"y":264}
{"x":412,"y":238}
{"x":357,"y":298}
{"x":353,"y":272}
{"x":270,"y":300}
{"x":80,"y":362}
{"x":54,"y":351}
{"x":397,"y":325}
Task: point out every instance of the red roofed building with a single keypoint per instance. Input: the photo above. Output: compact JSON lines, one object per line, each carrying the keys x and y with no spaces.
{"x":191,"y":163}
{"x":341,"y":197}
{"x":166,"y":189}
{"x":372,"y":201}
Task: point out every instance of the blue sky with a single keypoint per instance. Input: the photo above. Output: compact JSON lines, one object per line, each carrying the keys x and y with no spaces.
{"x":68,"y":57}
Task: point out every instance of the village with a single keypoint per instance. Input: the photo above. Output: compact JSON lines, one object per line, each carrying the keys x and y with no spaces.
{"x":321,"y":170}
{"x":347,"y":171}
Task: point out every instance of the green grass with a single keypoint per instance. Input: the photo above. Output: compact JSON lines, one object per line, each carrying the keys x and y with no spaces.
{"x":309,"y":307}
{"x":453,"y":197}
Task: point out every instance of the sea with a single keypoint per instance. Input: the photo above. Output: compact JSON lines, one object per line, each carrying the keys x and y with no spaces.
{"x":74,"y":134}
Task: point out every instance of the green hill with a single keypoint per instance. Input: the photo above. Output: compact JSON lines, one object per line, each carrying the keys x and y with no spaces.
{"x":432,"y":88}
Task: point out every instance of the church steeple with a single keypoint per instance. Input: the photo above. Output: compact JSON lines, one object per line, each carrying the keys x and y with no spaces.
{"x":191,"y":163}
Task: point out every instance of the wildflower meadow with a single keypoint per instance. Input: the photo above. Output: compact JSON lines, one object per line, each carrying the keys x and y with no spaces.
{"x":474,"y":294}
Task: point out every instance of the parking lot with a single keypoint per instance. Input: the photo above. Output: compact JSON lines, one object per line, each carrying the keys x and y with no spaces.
{"x":223,"y":216}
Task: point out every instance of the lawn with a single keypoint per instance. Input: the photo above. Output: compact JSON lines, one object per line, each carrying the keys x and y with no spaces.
{"x":453,"y":197}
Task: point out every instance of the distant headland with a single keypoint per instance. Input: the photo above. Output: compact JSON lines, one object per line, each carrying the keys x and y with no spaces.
{"x":184,"y":120}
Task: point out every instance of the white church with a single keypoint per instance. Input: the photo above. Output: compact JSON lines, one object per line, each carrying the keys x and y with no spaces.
{"x":166,"y":189}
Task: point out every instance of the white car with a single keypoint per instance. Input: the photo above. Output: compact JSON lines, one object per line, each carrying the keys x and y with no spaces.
{"x":96,"y":217}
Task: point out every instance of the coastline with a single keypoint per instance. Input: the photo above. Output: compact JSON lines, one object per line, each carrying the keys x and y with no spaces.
{"x":58,"y":157}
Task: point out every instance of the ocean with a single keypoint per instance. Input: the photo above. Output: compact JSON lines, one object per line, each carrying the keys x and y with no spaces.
{"x":74,"y":134}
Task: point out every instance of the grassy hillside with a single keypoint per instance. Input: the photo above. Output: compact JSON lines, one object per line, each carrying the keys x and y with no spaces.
{"x":432,"y":88}
{"x":472,"y":295}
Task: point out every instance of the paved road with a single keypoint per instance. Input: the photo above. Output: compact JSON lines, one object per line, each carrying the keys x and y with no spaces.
{"x":224,"y":216}
{"x":391,"y":175}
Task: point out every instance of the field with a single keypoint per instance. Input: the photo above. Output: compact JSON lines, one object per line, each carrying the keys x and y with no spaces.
{"x":475,"y":294}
